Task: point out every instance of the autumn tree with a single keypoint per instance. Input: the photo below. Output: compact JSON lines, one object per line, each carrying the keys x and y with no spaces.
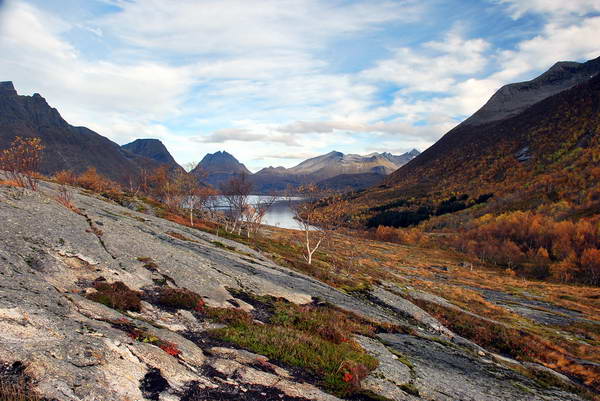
{"x":94,"y":181}
{"x":192,"y":194}
{"x":163,"y":186}
{"x":21,"y":161}
{"x":319,"y":214}
{"x":235,"y":193}
{"x":254,"y":214}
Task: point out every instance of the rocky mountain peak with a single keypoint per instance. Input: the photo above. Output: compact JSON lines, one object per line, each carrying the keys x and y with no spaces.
{"x":514,"y":98}
{"x":7,"y":89}
{"x":153,"y":149}
{"x":220,"y":167}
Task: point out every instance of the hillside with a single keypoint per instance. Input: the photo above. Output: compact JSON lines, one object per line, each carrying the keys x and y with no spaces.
{"x":543,"y":154}
{"x":521,"y":193}
{"x":102,"y":300}
{"x":66,"y":147}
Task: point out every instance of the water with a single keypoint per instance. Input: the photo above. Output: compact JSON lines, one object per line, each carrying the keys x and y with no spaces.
{"x":279,"y":214}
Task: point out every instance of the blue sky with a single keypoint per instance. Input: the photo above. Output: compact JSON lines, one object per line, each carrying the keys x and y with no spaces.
{"x":276,"y":81}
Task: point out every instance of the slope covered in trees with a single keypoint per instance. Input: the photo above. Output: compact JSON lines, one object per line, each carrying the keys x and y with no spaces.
{"x":522,"y":192}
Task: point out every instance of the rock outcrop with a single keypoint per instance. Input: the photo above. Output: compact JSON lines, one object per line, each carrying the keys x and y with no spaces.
{"x":72,"y":348}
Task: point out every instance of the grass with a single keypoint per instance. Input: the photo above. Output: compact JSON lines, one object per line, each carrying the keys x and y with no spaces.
{"x":330,"y":361}
{"x":317,"y":339}
{"x":17,"y":392}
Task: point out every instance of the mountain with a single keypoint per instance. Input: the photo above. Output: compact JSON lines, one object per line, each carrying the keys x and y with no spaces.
{"x":66,"y":147}
{"x":336,"y":163}
{"x":358,"y":171}
{"x":153,"y":149}
{"x":514,"y":98}
{"x":217,"y":168}
{"x":333,"y":170}
{"x":527,"y":156}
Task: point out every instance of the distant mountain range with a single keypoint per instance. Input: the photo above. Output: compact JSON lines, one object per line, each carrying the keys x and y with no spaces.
{"x":354,"y":171}
{"x":77,"y":148}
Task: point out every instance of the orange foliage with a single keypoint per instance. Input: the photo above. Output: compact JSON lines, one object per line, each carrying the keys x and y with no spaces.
{"x":536,"y":244}
{"x":92,"y":180}
{"x":21,"y":161}
{"x":65,"y":177}
{"x":407,"y":236}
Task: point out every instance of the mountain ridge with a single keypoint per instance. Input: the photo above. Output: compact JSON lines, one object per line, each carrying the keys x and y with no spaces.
{"x":67,"y":147}
{"x":153,"y":149}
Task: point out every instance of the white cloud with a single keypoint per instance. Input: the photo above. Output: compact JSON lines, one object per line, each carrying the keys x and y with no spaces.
{"x":88,"y":93}
{"x":557,"y":42}
{"x":244,"y":135}
{"x":518,"y":8}
{"x":248,"y":26}
{"x":435,"y":67}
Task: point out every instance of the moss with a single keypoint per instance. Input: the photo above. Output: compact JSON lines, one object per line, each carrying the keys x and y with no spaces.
{"x":402,"y":358}
{"x":221,"y":245}
{"x":410,"y":389}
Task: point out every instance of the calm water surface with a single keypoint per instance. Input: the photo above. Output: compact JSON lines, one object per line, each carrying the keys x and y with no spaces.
{"x":280,"y":214}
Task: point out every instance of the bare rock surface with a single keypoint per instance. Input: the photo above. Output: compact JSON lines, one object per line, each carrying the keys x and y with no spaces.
{"x":76,"y":349}
{"x":443,"y":372}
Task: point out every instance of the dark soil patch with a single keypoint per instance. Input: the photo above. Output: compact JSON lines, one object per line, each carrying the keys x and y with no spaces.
{"x":263,"y":305}
{"x":228,"y":392}
{"x":153,"y":384}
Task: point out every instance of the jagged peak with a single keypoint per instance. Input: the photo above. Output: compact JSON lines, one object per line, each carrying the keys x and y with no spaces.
{"x":7,"y":88}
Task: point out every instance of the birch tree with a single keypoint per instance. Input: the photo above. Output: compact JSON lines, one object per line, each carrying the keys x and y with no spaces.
{"x":318,"y":214}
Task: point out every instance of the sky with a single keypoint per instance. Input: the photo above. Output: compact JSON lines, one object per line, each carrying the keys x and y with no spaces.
{"x":274,"y":82}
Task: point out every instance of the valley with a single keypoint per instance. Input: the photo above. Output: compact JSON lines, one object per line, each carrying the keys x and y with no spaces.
{"x":470,"y":271}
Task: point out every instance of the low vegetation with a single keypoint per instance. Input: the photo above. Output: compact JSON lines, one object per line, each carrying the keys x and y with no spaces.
{"x":143,"y":336}
{"x":180,"y":298}
{"x":315,"y":338}
{"x":116,"y":296}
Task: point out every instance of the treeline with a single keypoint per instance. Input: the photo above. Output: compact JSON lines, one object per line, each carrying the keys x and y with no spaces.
{"x":412,"y":217}
{"x":536,"y":245}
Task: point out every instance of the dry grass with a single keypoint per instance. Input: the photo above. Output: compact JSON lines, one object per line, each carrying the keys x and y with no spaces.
{"x":17,"y":392}
{"x":116,"y":296}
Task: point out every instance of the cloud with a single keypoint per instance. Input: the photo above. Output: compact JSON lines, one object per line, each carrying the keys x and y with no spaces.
{"x":518,"y":8}
{"x":248,"y":26}
{"x":244,"y":135}
{"x":435,"y":67}
{"x":87,"y":92}
{"x":287,"y":156}
{"x":557,"y":42}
